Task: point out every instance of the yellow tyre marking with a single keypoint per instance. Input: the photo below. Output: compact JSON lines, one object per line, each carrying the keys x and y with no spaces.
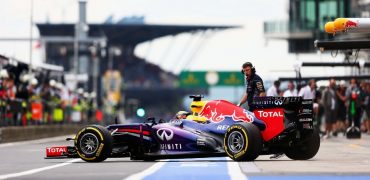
{"x":242,"y":152}
{"x":100,"y":147}
{"x":225,"y":147}
{"x":86,"y":158}
{"x":78,"y":135}
{"x":246,"y":139}
{"x":97,"y":131}
{"x":246,"y":145}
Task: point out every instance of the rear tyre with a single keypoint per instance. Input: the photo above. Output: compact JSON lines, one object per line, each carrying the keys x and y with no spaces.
{"x":305,"y":150}
{"x":243,"y":142}
{"x":93,"y":143}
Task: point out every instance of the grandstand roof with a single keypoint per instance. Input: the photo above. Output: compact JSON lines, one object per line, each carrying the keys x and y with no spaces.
{"x":129,"y":34}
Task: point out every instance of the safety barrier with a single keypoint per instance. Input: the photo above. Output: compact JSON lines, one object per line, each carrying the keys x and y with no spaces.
{"x":17,"y":133}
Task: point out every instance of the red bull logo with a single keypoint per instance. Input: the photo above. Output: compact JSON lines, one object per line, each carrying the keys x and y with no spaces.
{"x":342,"y":24}
{"x":217,"y":111}
{"x":351,"y":24}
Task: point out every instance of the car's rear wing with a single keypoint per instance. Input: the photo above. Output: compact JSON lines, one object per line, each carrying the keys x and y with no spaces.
{"x":305,"y":115}
{"x":296,"y":109}
{"x":274,"y":102}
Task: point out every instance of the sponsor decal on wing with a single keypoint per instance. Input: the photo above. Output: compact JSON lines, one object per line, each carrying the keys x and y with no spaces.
{"x":56,"y":151}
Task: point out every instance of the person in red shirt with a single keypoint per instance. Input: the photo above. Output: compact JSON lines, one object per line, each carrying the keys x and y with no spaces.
{"x":10,"y":87}
{"x":3,"y":76}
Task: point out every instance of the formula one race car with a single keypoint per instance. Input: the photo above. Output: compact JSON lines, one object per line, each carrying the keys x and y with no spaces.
{"x":277,"y":125}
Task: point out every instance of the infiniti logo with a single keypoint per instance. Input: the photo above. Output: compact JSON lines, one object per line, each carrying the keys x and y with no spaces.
{"x":278,"y":102}
{"x":165,"y":134}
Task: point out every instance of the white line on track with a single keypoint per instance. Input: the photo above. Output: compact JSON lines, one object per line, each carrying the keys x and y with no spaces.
{"x":249,"y":167}
{"x":234,"y":170}
{"x":33,"y":171}
{"x":233,"y":167}
{"x":155,"y":167}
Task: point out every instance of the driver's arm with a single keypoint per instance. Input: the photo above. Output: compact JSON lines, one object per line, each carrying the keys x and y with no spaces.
{"x":243,"y":100}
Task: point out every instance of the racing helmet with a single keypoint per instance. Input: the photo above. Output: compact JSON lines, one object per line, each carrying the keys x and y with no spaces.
{"x":182,"y":113}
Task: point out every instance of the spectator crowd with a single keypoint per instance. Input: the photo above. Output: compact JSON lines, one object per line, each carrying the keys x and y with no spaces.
{"x":24,"y":100}
{"x":337,"y":106}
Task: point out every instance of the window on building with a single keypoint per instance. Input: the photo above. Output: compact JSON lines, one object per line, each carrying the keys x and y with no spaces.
{"x":328,"y":12}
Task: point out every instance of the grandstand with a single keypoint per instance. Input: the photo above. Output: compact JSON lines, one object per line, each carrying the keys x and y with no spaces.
{"x":143,"y":81}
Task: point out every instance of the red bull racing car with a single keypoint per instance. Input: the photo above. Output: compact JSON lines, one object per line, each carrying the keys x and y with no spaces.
{"x":277,"y":125}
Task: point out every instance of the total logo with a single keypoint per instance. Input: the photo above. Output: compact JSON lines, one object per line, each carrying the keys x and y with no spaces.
{"x":165,"y":134}
{"x":56,"y":150}
{"x":270,"y":114}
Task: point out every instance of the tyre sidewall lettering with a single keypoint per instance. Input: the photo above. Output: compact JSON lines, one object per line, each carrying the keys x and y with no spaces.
{"x":78,"y":135}
{"x":245,"y":148}
{"x":241,"y":153}
{"x":99,"y":150}
{"x":86,"y":158}
{"x":233,"y":127}
{"x":97,"y":131}
{"x":101,"y":145}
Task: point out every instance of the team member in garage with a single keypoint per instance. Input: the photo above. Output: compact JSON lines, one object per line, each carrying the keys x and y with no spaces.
{"x":253,"y":83}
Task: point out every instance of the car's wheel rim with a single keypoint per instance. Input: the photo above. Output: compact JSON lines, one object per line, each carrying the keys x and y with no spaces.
{"x":235,"y":142}
{"x":89,"y":143}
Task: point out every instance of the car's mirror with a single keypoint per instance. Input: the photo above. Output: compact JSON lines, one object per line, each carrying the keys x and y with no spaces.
{"x":196,"y":97}
{"x":152,"y":120}
{"x":161,"y":121}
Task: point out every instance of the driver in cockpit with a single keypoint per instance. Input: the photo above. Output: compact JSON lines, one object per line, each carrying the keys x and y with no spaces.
{"x":182,"y":114}
{"x":189,"y":116}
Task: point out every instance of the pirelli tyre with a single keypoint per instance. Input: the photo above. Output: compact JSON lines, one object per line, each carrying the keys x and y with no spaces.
{"x":306,"y":149}
{"x":243,"y":142}
{"x":93,"y":143}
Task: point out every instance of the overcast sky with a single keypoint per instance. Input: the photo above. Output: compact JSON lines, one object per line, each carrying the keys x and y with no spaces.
{"x":225,"y":50}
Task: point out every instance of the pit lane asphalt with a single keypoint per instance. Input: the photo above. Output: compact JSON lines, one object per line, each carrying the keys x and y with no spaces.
{"x":338,"y":158}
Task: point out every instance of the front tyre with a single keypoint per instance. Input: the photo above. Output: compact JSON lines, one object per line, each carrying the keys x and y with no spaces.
{"x":243,"y":142}
{"x":305,"y":150}
{"x":93,"y":143}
